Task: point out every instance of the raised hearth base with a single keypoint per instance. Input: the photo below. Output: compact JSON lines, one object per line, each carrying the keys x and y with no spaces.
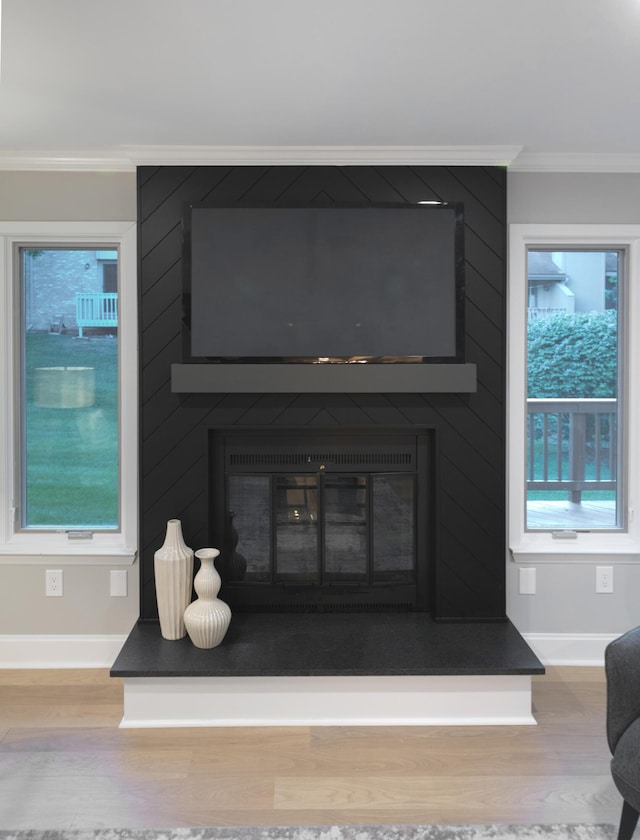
{"x":326,"y":701}
{"x":331,"y":670}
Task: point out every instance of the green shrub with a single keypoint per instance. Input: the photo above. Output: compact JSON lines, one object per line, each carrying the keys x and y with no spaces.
{"x":573,"y":355}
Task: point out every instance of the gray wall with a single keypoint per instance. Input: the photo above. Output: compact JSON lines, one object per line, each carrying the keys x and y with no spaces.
{"x":579,"y":198}
{"x":67,"y":196}
{"x":86,"y":607}
{"x":566,"y":601}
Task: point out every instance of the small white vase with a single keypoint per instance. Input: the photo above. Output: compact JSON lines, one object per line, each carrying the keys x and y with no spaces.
{"x":207,"y":619}
{"x":173,"y":569}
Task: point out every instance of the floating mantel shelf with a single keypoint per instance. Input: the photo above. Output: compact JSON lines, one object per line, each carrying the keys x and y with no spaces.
{"x":323,"y":378}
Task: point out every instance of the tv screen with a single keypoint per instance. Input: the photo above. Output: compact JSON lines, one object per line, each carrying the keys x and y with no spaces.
{"x":371,"y":283}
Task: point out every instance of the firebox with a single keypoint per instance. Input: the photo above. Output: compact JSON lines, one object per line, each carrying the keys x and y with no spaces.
{"x":312,"y":521}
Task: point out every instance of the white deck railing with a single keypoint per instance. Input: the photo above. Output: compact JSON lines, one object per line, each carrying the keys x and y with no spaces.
{"x":572,"y":445}
{"x":96,"y":309}
{"x":546,"y":312}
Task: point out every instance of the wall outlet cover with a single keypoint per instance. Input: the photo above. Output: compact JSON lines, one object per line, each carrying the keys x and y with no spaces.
{"x":528,"y":581}
{"x":53,"y":583}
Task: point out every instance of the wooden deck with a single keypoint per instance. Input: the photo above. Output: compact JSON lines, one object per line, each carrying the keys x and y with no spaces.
{"x":567,"y":515}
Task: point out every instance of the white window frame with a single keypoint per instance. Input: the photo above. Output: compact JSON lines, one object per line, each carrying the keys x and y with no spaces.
{"x":541,"y":546}
{"x":113,"y":548}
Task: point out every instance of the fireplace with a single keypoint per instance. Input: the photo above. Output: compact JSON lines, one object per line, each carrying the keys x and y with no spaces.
{"x":317,"y":521}
{"x":451,"y":655}
{"x":460,"y":563}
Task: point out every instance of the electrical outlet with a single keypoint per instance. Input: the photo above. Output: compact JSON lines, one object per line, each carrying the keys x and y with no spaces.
{"x":604,"y":579}
{"x":53,"y":583}
{"x":118,"y":587}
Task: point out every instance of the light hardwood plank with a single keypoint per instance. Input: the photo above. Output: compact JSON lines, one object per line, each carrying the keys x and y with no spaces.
{"x":65,"y":763}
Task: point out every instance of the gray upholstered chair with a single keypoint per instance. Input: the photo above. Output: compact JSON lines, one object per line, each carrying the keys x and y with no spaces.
{"x":622,"y":668}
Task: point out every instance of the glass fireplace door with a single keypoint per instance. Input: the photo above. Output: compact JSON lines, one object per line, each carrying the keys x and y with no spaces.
{"x":295,"y":557}
{"x":323,"y":520}
{"x":345,"y":528}
{"x":317,"y":529}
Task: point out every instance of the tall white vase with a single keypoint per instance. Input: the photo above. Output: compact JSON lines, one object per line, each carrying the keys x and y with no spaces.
{"x":207,"y":619}
{"x":173,"y":568}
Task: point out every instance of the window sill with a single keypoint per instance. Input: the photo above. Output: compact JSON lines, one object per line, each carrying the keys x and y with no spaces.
{"x":81,"y":554}
{"x":612,"y":548}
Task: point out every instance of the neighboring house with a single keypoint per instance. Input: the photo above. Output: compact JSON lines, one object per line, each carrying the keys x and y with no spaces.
{"x":70,"y":289}
{"x":570,"y":281}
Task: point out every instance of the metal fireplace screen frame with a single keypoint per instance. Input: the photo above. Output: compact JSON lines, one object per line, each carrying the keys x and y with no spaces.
{"x":311,"y":495}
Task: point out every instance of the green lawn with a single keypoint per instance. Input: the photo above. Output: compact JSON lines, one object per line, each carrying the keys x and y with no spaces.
{"x":72,"y":453}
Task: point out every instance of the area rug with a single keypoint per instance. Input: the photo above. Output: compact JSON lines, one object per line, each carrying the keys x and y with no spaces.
{"x":333,"y":832}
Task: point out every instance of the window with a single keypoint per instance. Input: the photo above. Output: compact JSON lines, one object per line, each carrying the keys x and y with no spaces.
{"x":575,"y":367}
{"x":68,"y":422}
{"x":573,"y":393}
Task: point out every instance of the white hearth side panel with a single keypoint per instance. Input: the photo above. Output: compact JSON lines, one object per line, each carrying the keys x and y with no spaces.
{"x":327,"y":701}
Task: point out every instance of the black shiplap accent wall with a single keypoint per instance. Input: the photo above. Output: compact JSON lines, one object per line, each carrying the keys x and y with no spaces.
{"x":470,"y":429}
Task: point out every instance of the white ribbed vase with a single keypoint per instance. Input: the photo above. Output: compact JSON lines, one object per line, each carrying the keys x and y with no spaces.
{"x":207,"y":619}
{"x":173,"y":569}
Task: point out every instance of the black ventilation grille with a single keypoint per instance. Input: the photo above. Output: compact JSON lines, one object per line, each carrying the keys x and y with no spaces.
{"x":326,"y":608}
{"x":300,"y":452}
{"x":296,"y":459}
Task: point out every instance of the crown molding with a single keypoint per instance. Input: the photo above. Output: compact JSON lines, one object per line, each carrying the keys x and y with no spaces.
{"x":575,"y":162}
{"x":94,"y":160}
{"x":126,"y":158}
{"x":324,"y":155}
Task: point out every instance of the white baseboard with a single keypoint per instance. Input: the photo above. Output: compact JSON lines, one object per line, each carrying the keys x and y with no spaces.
{"x":578,"y":649}
{"x":57,"y":651}
{"x":75,"y":651}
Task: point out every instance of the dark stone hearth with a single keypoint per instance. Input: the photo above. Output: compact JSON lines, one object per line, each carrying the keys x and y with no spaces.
{"x":333,"y":645}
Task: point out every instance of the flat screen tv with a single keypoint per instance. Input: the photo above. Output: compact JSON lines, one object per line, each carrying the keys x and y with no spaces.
{"x":374,"y":283}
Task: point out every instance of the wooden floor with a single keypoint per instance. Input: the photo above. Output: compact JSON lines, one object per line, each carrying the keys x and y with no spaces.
{"x":65,"y":763}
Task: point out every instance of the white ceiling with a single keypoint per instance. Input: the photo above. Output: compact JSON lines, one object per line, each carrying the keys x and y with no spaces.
{"x":544,"y":83}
